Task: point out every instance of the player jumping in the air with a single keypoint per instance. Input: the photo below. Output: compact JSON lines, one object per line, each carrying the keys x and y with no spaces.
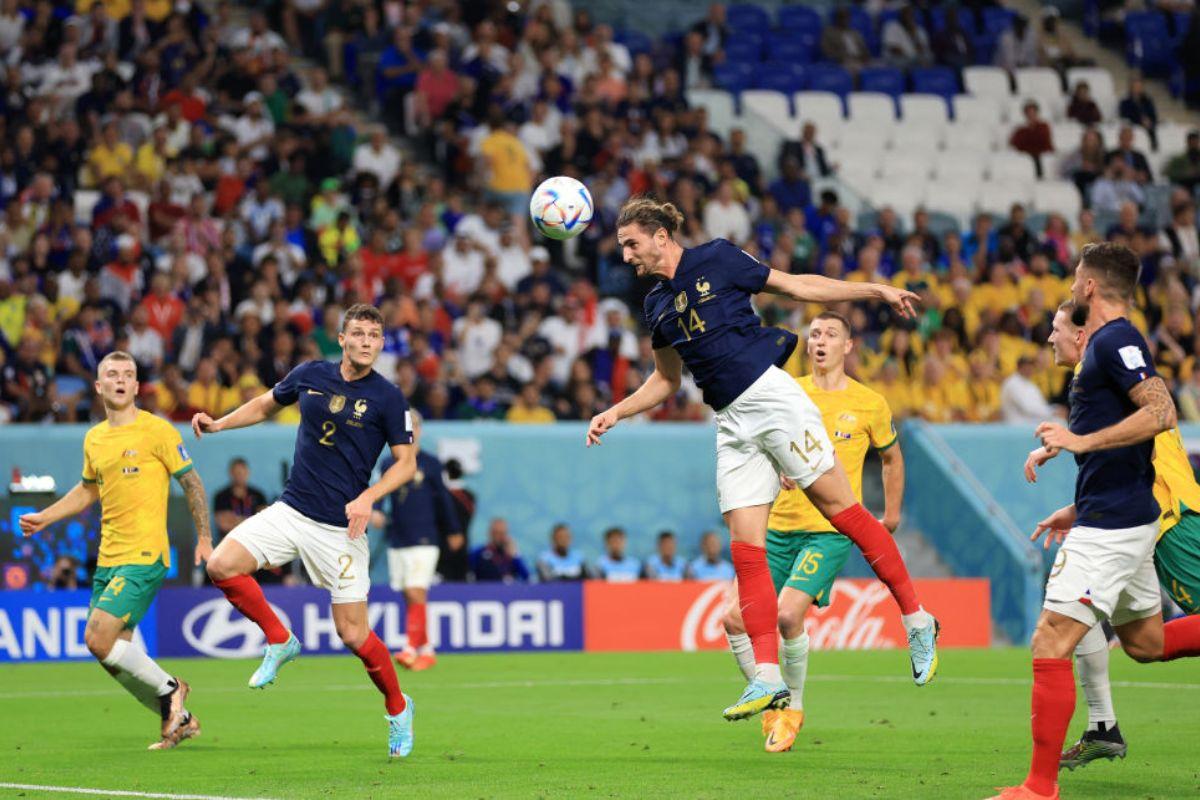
{"x":128,"y":462}
{"x":1105,"y":569}
{"x":699,"y":314}
{"x":347,"y":413}
{"x":804,"y":550}
{"x":1176,"y":556}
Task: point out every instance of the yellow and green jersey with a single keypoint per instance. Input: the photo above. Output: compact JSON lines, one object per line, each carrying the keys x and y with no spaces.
{"x":1174,"y":480}
{"x":857,"y":419}
{"x":132,"y":465}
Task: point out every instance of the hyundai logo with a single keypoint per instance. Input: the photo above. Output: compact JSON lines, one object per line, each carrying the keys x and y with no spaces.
{"x":217,"y":629}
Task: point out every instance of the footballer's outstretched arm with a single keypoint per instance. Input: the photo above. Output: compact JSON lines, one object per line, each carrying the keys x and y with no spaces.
{"x":1155,"y":414}
{"x":893,"y":485}
{"x":662,"y":383}
{"x":819,"y":289}
{"x":249,"y":413}
{"x":197,"y":500}
{"x":82,"y":495}
{"x":358,"y":510}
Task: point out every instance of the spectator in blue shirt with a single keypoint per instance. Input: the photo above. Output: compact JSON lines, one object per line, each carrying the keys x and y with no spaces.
{"x":561,"y":562}
{"x":665,"y":565}
{"x":396,"y":74}
{"x":498,"y":560}
{"x":981,"y":237}
{"x":615,"y":566}
{"x":710,"y":565}
{"x":791,"y":189}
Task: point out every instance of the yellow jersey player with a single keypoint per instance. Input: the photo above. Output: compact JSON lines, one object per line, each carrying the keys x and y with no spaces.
{"x":804,"y":550}
{"x":1176,"y":558}
{"x":128,"y":462}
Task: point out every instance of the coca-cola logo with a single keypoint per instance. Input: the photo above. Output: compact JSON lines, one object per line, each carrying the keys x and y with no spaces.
{"x":702,"y":627}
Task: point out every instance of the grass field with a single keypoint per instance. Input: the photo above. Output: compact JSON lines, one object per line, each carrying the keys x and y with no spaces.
{"x":585,"y":725}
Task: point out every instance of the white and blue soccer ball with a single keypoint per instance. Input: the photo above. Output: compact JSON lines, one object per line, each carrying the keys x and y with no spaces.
{"x":561,"y":207}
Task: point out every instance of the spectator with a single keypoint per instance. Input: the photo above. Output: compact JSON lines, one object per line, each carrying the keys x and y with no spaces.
{"x":1116,"y":187}
{"x":506,"y":162}
{"x":713,"y":30}
{"x":1018,"y":46}
{"x":561,"y":562}
{"x":1054,"y":45}
{"x":710,"y":565}
{"x":1139,"y":167}
{"x":25,"y":383}
{"x":694,"y":64}
{"x":437,"y":87}
{"x":791,"y":189}
{"x":905,"y":43}
{"x":842,"y":44}
{"x":952,"y":45}
{"x":528,"y":407}
{"x":725,"y":217}
{"x":1083,"y":108}
{"x":665,"y":564}
{"x":808,"y":152}
{"x":498,"y":559}
{"x":396,"y":74}
{"x":377,"y":157}
{"x":145,"y":343}
{"x":1137,"y":108}
{"x":615,"y":566}
{"x":207,"y":394}
{"x":1021,"y":401}
{"x":1184,"y":168}
{"x":1086,"y":164}
{"x":1033,"y":137}
{"x":1182,"y":238}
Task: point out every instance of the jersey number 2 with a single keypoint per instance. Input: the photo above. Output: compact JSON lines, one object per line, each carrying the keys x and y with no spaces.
{"x":811,"y":445}
{"x":694,"y":324}
{"x":328,"y":429}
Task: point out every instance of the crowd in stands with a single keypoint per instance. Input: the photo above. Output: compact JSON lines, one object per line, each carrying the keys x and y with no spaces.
{"x":174,"y":184}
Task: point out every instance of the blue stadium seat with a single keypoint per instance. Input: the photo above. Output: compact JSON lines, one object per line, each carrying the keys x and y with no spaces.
{"x":733,"y":76}
{"x":861,"y":21}
{"x":888,"y":80}
{"x":799,"y":18}
{"x":996,"y":20}
{"x":636,"y":41}
{"x":936,"y":20}
{"x":786,"y":46}
{"x":747,"y":17}
{"x":935,"y":80}
{"x":781,"y":76}
{"x":748,"y":50}
{"x":826,"y":77}
{"x":1148,"y":44}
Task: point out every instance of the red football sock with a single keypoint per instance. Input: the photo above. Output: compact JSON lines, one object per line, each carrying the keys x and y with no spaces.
{"x":879,"y":548}
{"x":244,"y":593}
{"x":416,"y":625}
{"x":756,"y":594}
{"x":1053,"y":704}
{"x":1181,"y":638}
{"x":378,"y":661}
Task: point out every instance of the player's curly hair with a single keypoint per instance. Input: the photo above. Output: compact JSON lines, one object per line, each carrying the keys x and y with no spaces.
{"x":363,"y":311}
{"x":650,"y":215}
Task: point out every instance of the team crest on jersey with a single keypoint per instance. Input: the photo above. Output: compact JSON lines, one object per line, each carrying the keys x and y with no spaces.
{"x":681,"y":301}
{"x":419,"y":477}
{"x":337,"y":403}
{"x":131,"y":453}
{"x":847,"y":418}
{"x":360,"y":408}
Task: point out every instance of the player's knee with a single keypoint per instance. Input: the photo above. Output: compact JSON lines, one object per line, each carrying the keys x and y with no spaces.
{"x":221,"y":567}
{"x":98,"y":644}
{"x":353,"y":634}
{"x":1051,"y":640}
{"x":791,"y":621}
{"x":1143,"y":652}
{"x":732,"y":620}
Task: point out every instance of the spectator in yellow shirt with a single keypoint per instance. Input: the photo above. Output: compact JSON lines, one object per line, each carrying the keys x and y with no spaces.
{"x":207,"y":394}
{"x":914,"y":273}
{"x":1086,"y":233}
{"x":111,"y":157}
{"x":999,"y":294}
{"x":507,"y":165}
{"x":868,"y":265}
{"x":1055,"y":290}
{"x":895,"y":389}
{"x":984,"y":391}
{"x":527,"y":408}
{"x":151,"y":160}
{"x":943,"y":397}
{"x":944,"y":346}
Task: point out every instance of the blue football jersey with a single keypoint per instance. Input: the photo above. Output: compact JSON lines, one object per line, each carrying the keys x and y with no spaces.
{"x":555,"y":567}
{"x":618,"y":570}
{"x":704,"y":313}
{"x":343,"y":428}
{"x":659,"y":570}
{"x":701,"y":570}
{"x":1114,"y":488}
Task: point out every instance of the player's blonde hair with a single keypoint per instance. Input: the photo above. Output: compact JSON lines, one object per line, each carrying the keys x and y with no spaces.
{"x":650,"y":215}
{"x":115,"y":355}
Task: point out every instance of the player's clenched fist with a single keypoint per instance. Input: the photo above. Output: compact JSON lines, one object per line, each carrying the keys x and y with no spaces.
{"x":202,"y":423}
{"x":600,"y":425}
{"x":1056,"y":437}
{"x":31,"y":523}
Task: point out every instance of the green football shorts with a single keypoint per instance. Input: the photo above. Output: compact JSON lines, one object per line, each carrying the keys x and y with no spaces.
{"x":807,"y":560}
{"x":1177,"y":561}
{"x":126,"y":591}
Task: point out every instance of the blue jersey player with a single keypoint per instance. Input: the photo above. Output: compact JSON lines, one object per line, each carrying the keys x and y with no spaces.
{"x":768,"y":430}
{"x":1105,"y":569}
{"x":348,"y":412}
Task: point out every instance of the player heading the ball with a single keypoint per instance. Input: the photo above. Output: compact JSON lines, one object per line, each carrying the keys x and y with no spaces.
{"x":348,"y":411}
{"x":699,"y":314}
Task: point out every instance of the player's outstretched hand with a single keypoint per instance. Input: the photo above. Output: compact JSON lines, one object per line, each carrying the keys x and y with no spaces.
{"x":1037,"y":457}
{"x":358,"y":512}
{"x":204,"y":550}
{"x":1056,"y":526}
{"x":1055,"y":436}
{"x":902,"y":301}
{"x":202,"y":423}
{"x":600,"y":424}
{"x":31,"y":523}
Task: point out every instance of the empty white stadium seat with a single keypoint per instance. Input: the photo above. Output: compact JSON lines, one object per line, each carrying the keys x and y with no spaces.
{"x":914,"y":135}
{"x":1172,"y":138}
{"x":979,"y":138}
{"x":718,"y":103}
{"x":959,"y":167}
{"x":1038,"y":82}
{"x":1066,"y":135}
{"x":987,"y":81}
{"x":904,"y":199}
{"x":998,"y":197}
{"x":822,"y":108}
{"x":1059,"y":196}
{"x":924,"y":108}
{"x":871,"y":108}
{"x":772,"y":107}
{"x":906,"y":169}
{"x":977,"y":109}
{"x":1012,"y":167}
{"x":868,"y":140}
{"x":956,"y":199}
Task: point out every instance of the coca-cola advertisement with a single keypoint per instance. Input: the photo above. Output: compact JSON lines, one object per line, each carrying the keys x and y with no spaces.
{"x":861,"y":615}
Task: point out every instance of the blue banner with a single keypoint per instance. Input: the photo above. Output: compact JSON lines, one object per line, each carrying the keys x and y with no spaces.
{"x":48,"y":626}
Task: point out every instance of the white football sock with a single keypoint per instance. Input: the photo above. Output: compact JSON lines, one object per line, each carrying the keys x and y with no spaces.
{"x":743,"y":651}
{"x":133,"y":662}
{"x":794,"y":665}
{"x":1091,"y":658}
{"x":768,"y":673}
{"x":918,"y":619}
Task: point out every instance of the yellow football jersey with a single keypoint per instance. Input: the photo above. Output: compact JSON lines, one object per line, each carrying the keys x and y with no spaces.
{"x":133,"y":465}
{"x":1174,"y":480}
{"x":857,"y":419}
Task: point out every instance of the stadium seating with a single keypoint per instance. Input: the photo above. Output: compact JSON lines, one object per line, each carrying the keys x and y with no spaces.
{"x":885,"y":80}
{"x":871,"y":108}
{"x":987,"y":82}
{"x":1101,"y":84}
{"x":924,"y":108}
{"x":823,"y":108}
{"x":830,"y":78}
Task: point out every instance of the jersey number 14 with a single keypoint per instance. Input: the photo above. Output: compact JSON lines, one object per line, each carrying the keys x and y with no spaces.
{"x":694,"y":324}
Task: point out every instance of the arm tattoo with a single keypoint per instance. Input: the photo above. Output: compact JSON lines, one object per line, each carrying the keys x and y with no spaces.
{"x":1153,"y":396}
{"x":197,"y":501}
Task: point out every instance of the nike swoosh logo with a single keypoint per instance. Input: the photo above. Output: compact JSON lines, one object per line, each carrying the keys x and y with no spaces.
{"x":105,"y":599}
{"x":347,"y":586}
{"x":314,"y":391}
{"x":660,"y":316}
{"x":771,"y":739}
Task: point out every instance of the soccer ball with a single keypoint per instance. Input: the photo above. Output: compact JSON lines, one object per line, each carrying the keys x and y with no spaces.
{"x":561,"y":207}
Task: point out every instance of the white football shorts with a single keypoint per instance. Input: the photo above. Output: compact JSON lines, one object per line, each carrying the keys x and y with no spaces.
{"x":772,"y":428}
{"x":412,"y":567}
{"x":279,"y":533}
{"x":1105,"y":574}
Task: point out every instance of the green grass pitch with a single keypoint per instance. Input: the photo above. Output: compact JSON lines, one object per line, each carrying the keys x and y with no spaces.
{"x":586,"y":725}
